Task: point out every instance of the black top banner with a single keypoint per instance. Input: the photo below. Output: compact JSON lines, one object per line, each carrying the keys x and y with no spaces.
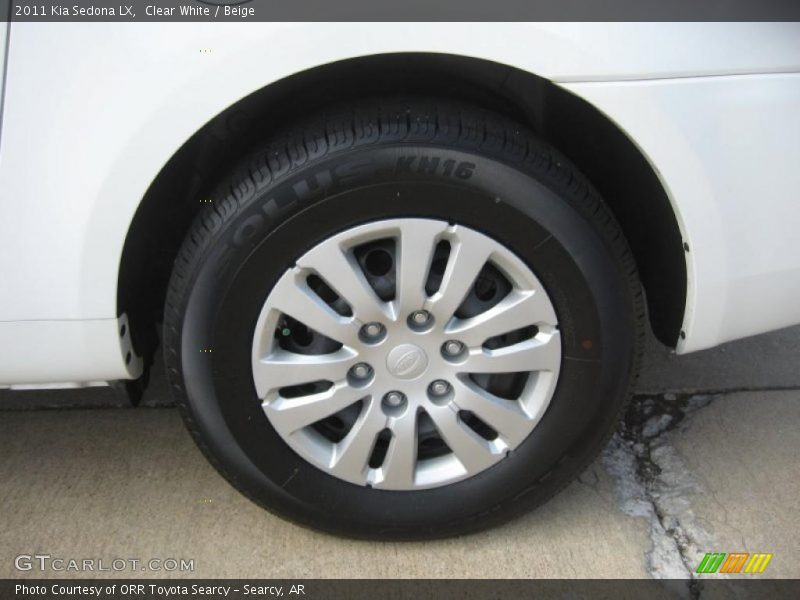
{"x":398,"y":10}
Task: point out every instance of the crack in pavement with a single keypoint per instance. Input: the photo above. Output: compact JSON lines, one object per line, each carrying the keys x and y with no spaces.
{"x":653,"y":482}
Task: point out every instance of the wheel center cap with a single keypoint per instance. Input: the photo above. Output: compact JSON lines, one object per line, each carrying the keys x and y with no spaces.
{"x":407,"y":361}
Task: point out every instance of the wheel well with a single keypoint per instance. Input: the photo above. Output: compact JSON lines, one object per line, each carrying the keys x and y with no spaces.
{"x":597,"y":146}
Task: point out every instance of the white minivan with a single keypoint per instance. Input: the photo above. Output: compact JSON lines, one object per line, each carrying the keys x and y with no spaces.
{"x":399,"y":274}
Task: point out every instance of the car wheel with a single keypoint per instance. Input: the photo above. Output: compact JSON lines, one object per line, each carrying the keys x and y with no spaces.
{"x":403,"y":320}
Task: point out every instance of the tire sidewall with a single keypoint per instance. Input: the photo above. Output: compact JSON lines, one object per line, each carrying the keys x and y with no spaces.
{"x":541,"y":219}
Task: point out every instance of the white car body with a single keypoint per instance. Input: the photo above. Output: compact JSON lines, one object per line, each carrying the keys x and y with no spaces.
{"x":92,"y":112}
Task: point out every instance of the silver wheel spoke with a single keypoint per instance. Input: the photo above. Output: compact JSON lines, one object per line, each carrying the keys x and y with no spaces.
{"x":504,"y":416}
{"x":293,"y":297}
{"x":401,"y":457}
{"x":531,"y":355}
{"x":517,"y":310}
{"x":283,"y":369}
{"x":344,"y":275}
{"x":351,"y":457}
{"x":471,"y":450}
{"x":468,"y":254}
{"x":292,"y":414}
{"x":401,"y":366}
{"x":417,"y":244}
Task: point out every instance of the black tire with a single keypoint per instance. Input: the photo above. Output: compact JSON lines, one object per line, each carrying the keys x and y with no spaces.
{"x":374,"y":161}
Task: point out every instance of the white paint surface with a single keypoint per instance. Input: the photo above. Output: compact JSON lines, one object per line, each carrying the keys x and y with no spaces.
{"x":93,"y":112}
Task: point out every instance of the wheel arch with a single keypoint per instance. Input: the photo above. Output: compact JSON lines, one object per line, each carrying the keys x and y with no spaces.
{"x":598,"y":147}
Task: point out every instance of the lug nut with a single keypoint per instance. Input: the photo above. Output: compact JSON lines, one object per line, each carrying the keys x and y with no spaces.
{"x":394,"y":399}
{"x":372,"y":331}
{"x":439,"y":388}
{"x":453,"y":348}
{"x":419,"y":319}
{"x":361,"y":371}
